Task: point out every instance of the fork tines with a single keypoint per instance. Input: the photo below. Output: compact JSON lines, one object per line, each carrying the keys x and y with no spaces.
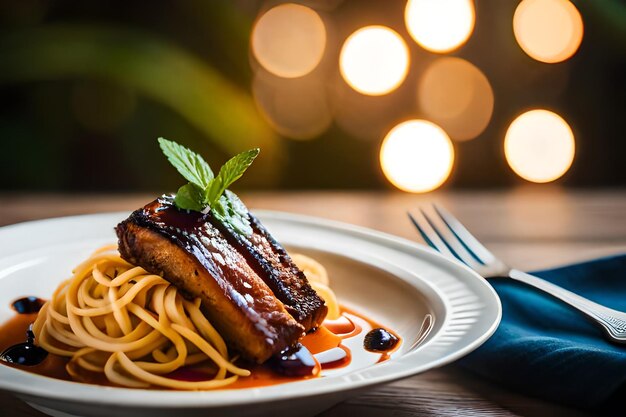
{"x":443,"y":232}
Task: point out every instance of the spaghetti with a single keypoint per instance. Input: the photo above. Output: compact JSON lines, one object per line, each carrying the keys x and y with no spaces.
{"x":318,"y":278}
{"x":116,"y":319}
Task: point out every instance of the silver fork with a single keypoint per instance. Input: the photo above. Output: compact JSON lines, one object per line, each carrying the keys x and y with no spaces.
{"x":446,"y":234}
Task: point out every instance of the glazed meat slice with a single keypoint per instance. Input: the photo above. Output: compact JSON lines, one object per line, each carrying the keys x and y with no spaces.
{"x":272,"y":262}
{"x":187,"y":250}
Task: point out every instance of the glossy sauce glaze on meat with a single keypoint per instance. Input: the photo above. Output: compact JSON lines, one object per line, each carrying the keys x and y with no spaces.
{"x":187,"y":248}
{"x":272,"y":262}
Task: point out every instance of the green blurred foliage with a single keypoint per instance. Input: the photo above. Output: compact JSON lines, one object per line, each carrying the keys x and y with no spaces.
{"x":106,"y":77}
{"x":87,"y":87}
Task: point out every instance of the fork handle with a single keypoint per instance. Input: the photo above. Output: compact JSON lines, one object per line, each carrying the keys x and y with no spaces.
{"x":612,"y":322}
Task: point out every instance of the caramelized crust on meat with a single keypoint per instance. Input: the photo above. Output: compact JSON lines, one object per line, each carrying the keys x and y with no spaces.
{"x":272,"y":262}
{"x":187,"y":250}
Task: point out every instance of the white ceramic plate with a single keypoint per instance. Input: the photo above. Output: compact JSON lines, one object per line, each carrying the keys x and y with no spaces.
{"x":391,"y":280}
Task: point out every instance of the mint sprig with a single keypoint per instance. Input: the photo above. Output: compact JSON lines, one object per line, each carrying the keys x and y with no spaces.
{"x":204,"y":190}
{"x":190,"y":165}
{"x":190,"y":197}
{"x":230,"y":172}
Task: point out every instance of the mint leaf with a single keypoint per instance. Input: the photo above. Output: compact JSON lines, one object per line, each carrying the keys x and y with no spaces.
{"x":230,"y":172}
{"x":188,"y":163}
{"x":231,"y":211}
{"x":204,"y":189}
{"x":190,"y":197}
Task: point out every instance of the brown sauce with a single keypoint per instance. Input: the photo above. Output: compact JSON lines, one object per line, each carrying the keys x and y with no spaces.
{"x":321,"y":340}
{"x":325,"y":343}
{"x":343,"y":326}
{"x":13,"y":332}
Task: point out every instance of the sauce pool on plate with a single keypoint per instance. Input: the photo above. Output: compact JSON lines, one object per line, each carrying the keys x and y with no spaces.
{"x":323,"y":349}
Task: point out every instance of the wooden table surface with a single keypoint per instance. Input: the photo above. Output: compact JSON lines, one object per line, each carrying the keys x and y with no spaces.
{"x":531,"y":227}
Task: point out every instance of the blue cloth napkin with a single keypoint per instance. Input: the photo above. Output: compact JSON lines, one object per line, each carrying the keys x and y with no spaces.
{"x":546,"y":349}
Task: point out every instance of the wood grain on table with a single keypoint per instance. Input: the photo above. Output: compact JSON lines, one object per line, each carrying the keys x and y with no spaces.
{"x":530,"y":227}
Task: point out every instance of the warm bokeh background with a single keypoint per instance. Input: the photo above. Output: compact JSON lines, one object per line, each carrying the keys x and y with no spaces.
{"x":87,"y":87}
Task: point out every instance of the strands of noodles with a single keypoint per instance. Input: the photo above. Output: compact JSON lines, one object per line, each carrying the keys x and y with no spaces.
{"x":116,"y":319}
{"x":318,"y":278}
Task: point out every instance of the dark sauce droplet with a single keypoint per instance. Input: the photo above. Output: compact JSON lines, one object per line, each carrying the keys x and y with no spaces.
{"x":294,"y":361}
{"x":28,"y":305}
{"x":379,"y":340}
{"x":27,"y":354}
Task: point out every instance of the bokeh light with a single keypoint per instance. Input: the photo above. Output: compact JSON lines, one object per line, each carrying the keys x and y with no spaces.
{"x":440,"y":25}
{"x":457,"y":96}
{"x":296,"y":108}
{"x":417,"y":156}
{"x":374,"y":60}
{"x":548,"y":30}
{"x":289,"y":40}
{"x":365,"y":117}
{"x":539,"y":146}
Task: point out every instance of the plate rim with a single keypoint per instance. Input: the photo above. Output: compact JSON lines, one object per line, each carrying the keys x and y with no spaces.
{"x":211,"y":399}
